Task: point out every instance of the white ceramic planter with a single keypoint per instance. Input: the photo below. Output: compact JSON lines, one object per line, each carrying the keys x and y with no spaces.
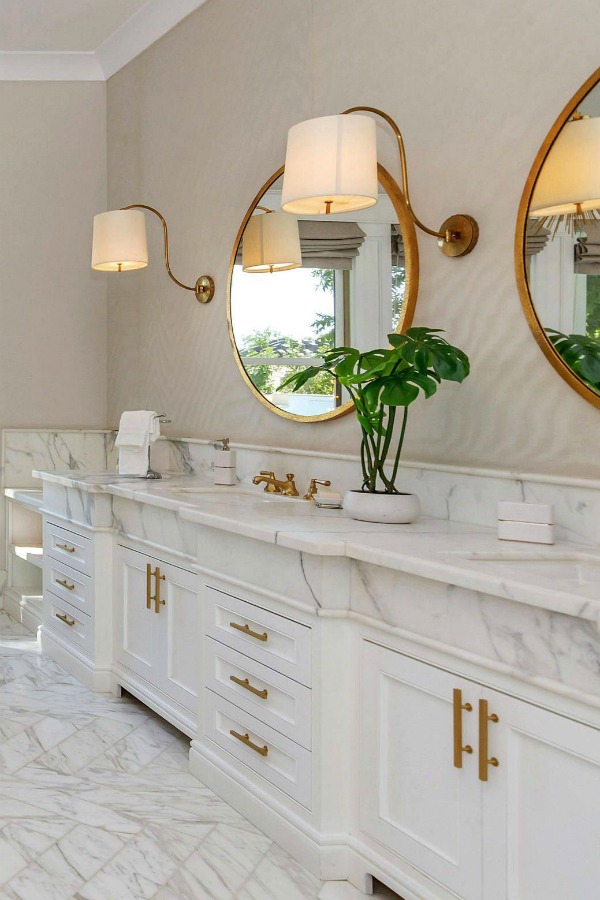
{"x":391,"y":509}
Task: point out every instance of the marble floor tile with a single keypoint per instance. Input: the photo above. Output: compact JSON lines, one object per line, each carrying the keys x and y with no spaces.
{"x":97,"y":801}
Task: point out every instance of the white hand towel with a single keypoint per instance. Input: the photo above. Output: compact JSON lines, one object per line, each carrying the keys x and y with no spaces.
{"x":137,"y":430}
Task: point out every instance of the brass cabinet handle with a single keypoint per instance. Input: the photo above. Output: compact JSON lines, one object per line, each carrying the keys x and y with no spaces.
{"x":245,"y":629}
{"x":157,"y":601}
{"x":64,"y":618}
{"x":149,"y":597}
{"x":245,"y":739}
{"x":69,"y":587}
{"x":484,"y":758}
{"x":458,"y":707}
{"x":66,"y":548}
{"x":246,"y":684}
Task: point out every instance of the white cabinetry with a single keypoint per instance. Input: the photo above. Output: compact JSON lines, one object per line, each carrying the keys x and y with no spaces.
{"x":158,"y":636}
{"x":524,"y":829}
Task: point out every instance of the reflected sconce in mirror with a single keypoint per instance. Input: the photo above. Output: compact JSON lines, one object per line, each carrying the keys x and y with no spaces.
{"x":331,"y":167}
{"x":568,"y":186}
{"x":271,"y":243}
{"x":119,"y":245}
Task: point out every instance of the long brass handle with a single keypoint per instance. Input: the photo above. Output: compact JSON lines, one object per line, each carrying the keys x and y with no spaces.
{"x":64,"y":618}
{"x":245,"y":739}
{"x":458,"y":707}
{"x":69,"y":587}
{"x":484,"y":758}
{"x":66,"y":548}
{"x":247,"y":686}
{"x":149,"y":597}
{"x":245,"y":629}
{"x":157,"y":601}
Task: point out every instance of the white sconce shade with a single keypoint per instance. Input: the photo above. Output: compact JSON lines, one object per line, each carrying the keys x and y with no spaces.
{"x":569,"y":181}
{"x":330,"y":166}
{"x":271,"y":243}
{"x":119,"y":241}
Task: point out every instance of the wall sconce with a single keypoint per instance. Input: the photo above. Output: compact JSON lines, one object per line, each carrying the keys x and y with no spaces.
{"x":119,"y":245}
{"x":568,"y":186}
{"x":271,"y":243}
{"x":331,"y":166}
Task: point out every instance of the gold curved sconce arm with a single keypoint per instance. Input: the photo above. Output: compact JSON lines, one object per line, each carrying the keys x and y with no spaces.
{"x":459,"y":234}
{"x":204,"y":288}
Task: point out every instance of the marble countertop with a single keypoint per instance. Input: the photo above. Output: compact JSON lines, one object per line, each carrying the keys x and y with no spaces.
{"x":564,"y":577}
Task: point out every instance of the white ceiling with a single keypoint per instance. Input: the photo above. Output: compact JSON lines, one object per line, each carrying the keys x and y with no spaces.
{"x":88,"y":40}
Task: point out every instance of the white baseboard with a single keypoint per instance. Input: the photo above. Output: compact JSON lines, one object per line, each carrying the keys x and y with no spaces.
{"x":23,"y":610}
{"x":71,"y":659}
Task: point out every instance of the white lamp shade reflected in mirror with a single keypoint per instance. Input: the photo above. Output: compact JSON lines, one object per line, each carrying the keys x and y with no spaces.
{"x":119,"y":242}
{"x":569,"y":181}
{"x":330,"y":165}
{"x":271,"y":243}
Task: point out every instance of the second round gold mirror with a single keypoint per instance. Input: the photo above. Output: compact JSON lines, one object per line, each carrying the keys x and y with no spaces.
{"x":351,"y":280}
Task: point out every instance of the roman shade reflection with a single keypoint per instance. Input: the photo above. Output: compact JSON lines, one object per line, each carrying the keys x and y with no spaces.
{"x":326,"y":244}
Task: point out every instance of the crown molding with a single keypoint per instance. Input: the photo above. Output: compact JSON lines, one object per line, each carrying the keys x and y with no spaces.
{"x":136,"y":34}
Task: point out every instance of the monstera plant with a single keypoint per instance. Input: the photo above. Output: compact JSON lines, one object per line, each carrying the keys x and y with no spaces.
{"x":383,"y":383}
{"x":581,"y":353}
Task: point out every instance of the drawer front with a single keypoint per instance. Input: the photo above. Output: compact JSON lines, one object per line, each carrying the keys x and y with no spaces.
{"x":283,"y":763}
{"x":69,"y":622}
{"x":272,"y":698}
{"x":268,"y":638}
{"x":69,"y":584}
{"x":69,"y":547}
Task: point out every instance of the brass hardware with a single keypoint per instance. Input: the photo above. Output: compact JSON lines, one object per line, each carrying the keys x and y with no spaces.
{"x":64,"y":618}
{"x":411,"y":260}
{"x":65,"y":584}
{"x":535,"y":325}
{"x":149,"y":597}
{"x":313,"y":490}
{"x":484,"y":759}
{"x":274,"y":486}
{"x":458,"y":707}
{"x":204,"y":288}
{"x":245,"y":739}
{"x":458,"y":234}
{"x":157,"y":601}
{"x":66,"y":548}
{"x":246,"y":684}
{"x":247,"y":630}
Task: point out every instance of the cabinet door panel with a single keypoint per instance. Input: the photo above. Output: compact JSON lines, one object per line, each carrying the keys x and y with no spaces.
{"x":413,"y":799}
{"x":136,"y":629}
{"x":542,"y":806}
{"x":181,"y":637}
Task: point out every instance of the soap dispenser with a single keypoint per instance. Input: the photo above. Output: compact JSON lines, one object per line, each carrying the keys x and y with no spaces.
{"x":224,"y":463}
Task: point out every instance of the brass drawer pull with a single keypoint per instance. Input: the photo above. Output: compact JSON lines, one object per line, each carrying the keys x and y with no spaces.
{"x":484,"y":758}
{"x":65,"y":584}
{"x":245,"y":739}
{"x":458,"y":706}
{"x":156,"y":598}
{"x":148,"y":586}
{"x":246,"y":684}
{"x":245,"y":629}
{"x":66,"y":548}
{"x":64,"y":618}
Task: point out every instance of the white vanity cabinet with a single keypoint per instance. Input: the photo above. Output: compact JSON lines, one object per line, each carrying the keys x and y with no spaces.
{"x":525,"y":828}
{"x":158,"y":636}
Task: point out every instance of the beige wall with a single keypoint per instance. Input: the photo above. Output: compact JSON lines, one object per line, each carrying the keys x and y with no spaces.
{"x":52,"y":307}
{"x":198,"y":122}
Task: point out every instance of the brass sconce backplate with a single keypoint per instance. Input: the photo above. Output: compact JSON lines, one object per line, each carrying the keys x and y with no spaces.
{"x":465,"y":234}
{"x":205,"y":289}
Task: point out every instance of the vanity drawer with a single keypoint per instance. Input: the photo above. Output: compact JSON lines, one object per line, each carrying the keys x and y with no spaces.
{"x":71,"y":548}
{"x":69,"y":584}
{"x":267,"y":637}
{"x":280,"y":761}
{"x":69,"y":622}
{"x":276,"y":700}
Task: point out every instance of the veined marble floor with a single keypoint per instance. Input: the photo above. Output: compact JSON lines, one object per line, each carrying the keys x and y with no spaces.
{"x":97,"y":803}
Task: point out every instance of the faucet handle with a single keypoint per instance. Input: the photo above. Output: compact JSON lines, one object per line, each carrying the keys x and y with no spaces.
{"x":310,"y":495}
{"x":271,"y":474}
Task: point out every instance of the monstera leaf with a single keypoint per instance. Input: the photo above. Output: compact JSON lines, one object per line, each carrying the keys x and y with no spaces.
{"x":581,"y":353}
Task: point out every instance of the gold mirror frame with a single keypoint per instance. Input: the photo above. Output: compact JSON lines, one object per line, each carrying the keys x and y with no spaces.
{"x":521,"y":273}
{"x":411,"y":254}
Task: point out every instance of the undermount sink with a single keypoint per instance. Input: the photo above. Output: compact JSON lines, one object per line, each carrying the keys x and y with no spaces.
{"x":112,"y":477}
{"x":227,"y":494}
{"x":527,"y":556}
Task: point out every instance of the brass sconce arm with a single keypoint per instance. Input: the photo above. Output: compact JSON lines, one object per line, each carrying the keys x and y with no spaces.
{"x":204,"y":288}
{"x":459,"y":234}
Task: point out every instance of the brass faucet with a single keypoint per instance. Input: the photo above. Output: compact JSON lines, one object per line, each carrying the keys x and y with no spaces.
{"x":313,"y":489}
{"x":274,"y":486}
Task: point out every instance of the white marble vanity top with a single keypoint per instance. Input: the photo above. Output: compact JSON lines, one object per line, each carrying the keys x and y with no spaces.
{"x":564,"y":577}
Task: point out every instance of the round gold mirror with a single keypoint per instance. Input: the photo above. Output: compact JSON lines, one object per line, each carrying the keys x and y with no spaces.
{"x":557,"y":246}
{"x":300,"y":285}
